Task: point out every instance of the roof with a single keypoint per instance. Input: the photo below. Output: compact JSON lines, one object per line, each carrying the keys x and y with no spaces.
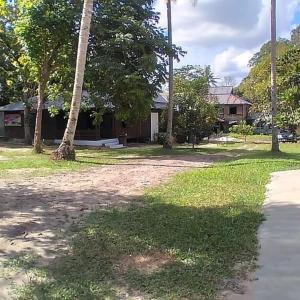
{"x":221,"y":90}
{"x":224,"y":96}
{"x":160,"y":102}
{"x":19,"y":106}
{"x":234,"y":99}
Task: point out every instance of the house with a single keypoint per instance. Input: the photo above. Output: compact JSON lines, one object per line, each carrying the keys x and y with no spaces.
{"x":12,"y":123}
{"x":232,"y":108}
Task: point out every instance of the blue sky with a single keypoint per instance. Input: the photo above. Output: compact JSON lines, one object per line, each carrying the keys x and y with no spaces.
{"x":226,"y":33}
{"x":297,"y":18}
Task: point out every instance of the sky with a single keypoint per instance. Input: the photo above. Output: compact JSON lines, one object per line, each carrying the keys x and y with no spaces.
{"x":226,"y":33}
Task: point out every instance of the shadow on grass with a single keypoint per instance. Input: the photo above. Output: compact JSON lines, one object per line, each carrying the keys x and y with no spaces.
{"x":193,"y":249}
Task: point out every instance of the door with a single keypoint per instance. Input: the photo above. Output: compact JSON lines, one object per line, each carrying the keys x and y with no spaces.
{"x":154,"y":125}
{"x":2,"y":129}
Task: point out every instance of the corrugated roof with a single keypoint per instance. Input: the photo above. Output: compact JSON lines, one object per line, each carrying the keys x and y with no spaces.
{"x":224,"y":96}
{"x":233,"y":99}
{"x":160,"y":102}
{"x":19,"y":106}
{"x":220,"y":90}
{"x":13,"y":107}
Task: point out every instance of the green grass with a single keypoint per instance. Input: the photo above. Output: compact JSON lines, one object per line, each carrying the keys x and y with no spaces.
{"x":23,"y":158}
{"x":255,"y":138}
{"x":203,"y":221}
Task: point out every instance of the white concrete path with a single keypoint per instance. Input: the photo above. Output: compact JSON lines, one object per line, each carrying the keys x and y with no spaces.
{"x":278,"y":275}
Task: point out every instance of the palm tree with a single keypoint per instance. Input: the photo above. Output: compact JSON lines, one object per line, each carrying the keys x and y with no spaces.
{"x":168,"y":144}
{"x":275,"y":144}
{"x":169,"y":138}
{"x":212,"y":80}
{"x":66,"y":148}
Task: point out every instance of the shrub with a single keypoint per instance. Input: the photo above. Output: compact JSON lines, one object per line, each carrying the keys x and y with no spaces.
{"x":242,"y":129}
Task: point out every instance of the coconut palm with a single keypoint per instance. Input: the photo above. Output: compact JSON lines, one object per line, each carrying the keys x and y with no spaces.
{"x":66,"y":148}
{"x":275,"y":144}
{"x":169,"y":138}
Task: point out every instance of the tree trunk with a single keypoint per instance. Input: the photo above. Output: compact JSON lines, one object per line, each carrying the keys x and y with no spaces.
{"x":66,"y":149}
{"x":169,"y":139}
{"x":275,"y":144}
{"x":27,"y":133}
{"x":37,"y":146}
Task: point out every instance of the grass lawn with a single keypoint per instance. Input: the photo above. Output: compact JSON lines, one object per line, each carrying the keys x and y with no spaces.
{"x":180,"y":241}
{"x":23,"y":158}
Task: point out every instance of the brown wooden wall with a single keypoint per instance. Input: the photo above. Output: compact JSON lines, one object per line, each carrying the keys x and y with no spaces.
{"x":53,"y":128}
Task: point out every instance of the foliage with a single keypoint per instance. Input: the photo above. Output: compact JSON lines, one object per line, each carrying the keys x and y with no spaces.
{"x":127,"y":63}
{"x":160,"y":138}
{"x":196,"y":115}
{"x":37,"y":38}
{"x":289,"y":88}
{"x":48,"y":33}
{"x":265,"y":51}
{"x":242,"y":129}
{"x":16,"y":80}
{"x":256,"y":86}
{"x":191,"y":72}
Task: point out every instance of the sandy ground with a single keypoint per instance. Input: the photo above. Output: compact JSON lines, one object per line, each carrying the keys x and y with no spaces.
{"x":35,"y":212}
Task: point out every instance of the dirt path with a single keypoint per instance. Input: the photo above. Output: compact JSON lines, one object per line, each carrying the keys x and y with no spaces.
{"x":35,"y":212}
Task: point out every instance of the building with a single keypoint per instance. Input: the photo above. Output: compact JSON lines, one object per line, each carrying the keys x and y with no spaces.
{"x":12,"y":123}
{"x":232,"y":108}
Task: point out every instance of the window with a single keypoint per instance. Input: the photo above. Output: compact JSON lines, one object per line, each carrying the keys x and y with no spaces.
{"x":233,"y":110}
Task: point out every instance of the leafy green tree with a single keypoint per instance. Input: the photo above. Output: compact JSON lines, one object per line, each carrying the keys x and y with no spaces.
{"x":295,"y":36}
{"x":128,"y":57}
{"x":257,"y":85}
{"x":196,"y":115}
{"x":289,"y":89}
{"x":17,"y":82}
{"x":191,"y":72}
{"x":242,"y":129}
{"x":46,"y":30}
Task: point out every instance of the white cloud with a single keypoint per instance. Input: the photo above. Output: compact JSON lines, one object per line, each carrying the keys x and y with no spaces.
{"x":229,"y":32}
{"x":233,"y":62}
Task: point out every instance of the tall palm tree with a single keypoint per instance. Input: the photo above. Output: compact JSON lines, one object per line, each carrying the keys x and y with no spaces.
{"x":66,"y":148}
{"x":275,"y":143}
{"x":168,"y":144}
{"x":169,"y":138}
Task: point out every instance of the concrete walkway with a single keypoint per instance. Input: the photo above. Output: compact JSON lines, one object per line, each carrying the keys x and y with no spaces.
{"x":278,"y":276}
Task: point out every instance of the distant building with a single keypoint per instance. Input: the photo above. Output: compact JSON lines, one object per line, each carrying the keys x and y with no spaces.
{"x":232,"y":108}
{"x":12,"y":123}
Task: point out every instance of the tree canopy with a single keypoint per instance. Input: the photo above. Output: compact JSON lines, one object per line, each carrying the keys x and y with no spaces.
{"x":127,"y":58}
{"x":127,"y":62}
{"x":196,"y":115}
{"x":256,"y":86}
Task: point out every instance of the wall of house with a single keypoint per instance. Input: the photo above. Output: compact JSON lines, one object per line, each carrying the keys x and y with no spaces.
{"x":241,"y":113}
{"x":135,"y":131}
{"x":2,"y":128}
{"x":15,"y":132}
{"x":154,"y":125}
{"x":53,"y":128}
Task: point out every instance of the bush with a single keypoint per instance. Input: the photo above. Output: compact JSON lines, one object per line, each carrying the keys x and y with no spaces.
{"x":242,"y":129}
{"x":160,"y":137}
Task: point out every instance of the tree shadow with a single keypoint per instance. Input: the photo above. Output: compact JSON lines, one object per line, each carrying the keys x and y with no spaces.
{"x":112,"y":253}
